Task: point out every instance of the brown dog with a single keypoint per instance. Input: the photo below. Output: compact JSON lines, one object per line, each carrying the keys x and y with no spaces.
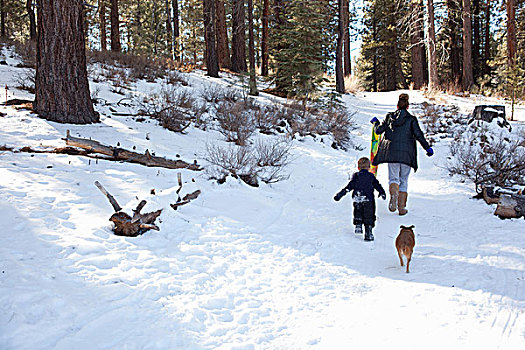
{"x":405,"y":242}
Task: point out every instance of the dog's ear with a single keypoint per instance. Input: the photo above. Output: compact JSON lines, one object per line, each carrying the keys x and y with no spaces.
{"x":411,"y":226}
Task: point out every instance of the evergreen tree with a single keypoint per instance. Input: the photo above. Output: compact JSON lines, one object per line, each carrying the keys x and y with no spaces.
{"x":299,"y":55}
{"x":382,"y":65}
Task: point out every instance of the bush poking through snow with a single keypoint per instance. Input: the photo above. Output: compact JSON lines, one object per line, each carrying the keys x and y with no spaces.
{"x":25,"y":80}
{"x":236,"y":122}
{"x":488,"y":156}
{"x":214,"y":93}
{"x":265,"y":161}
{"x":171,"y":106}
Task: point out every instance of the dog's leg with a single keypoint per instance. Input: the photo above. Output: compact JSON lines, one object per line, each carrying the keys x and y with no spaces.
{"x":409,"y":257}
{"x":400,"y":257}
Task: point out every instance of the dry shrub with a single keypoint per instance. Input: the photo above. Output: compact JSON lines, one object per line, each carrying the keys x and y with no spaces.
{"x":265,"y":161}
{"x":339,"y":123}
{"x":488,"y":157}
{"x":171,"y":106}
{"x":214,"y":93}
{"x":353,"y":84}
{"x":25,"y":79}
{"x":236,"y":122}
{"x":141,"y":67}
{"x":272,"y":158}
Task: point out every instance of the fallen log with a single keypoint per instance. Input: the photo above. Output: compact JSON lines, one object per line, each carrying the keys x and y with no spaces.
{"x":128,"y":226}
{"x":187,"y":198}
{"x":122,"y":154}
{"x":489,"y":196}
{"x":511,"y":206}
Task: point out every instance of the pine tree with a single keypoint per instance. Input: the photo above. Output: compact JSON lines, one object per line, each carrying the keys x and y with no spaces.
{"x":212,"y":61}
{"x":433,"y":79}
{"x":238,"y":37}
{"x":381,"y":66}
{"x":339,"y":70}
{"x":468,"y":78}
{"x":299,"y":57}
{"x":115,"y":27}
{"x":61,"y":84}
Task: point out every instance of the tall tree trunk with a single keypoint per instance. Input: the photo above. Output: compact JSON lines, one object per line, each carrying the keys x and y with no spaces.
{"x":477,"y":39}
{"x":238,"y":37}
{"x":339,"y":73}
{"x":176,"y":30}
{"x":511,"y":50}
{"x":2,"y":19}
{"x":417,"y":46}
{"x":486,"y":48}
{"x":265,"y":38}
{"x":32,"y":20}
{"x":374,"y":61}
{"x":169,"y":29}
{"x":102,"y":18}
{"x":223,"y":50}
{"x":115,"y":32}
{"x":346,"y":51}
{"x":61,"y":84}
{"x":212,"y":61}
{"x":468,"y":78}
{"x":453,"y":9}
{"x":433,"y":79}
{"x":251,"y":51}
{"x":511,"y":32}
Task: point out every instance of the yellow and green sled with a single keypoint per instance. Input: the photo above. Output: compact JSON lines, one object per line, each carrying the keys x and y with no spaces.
{"x":376,"y":139}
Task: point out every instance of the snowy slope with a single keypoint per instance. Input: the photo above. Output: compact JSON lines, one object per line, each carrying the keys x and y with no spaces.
{"x":274,"y":267}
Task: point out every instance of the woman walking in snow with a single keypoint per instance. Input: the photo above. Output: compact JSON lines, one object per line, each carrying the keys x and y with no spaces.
{"x":398,"y":149}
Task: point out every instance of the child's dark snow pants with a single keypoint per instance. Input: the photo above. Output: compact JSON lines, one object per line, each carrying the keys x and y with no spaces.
{"x":365,"y":213}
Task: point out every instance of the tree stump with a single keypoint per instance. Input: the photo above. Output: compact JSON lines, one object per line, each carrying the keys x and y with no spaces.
{"x":510,"y":206}
{"x":126,"y":225}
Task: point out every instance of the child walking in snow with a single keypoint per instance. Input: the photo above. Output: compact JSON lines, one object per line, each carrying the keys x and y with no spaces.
{"x":363,"y":184}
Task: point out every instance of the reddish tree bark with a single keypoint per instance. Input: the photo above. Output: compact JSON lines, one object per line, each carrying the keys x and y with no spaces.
{"x":102,"y":17}
{"x":265,"y":38}
{"x":176,"y":30}
{"x":238,"y":37}
{"x":61,"y":85}
{"x":339,"y":74}
{"x":511,"y":32}
{"x":223,"y":50}
{"x":468,"y":78}
{"x":115,"y":31}
{"x":251,"y":51}
{"x":418,"y":48}
{"x":453,"y":9}
{"x":212,"y":61}
{"x":346,"y":53}
{"x":433,"y":79}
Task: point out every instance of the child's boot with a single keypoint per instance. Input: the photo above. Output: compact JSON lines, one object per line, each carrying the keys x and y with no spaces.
{"x":358,"y":229}
{"x":368,"y":233}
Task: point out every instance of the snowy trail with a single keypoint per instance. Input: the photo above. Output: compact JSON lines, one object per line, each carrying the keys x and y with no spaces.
{"x":275,"y":267}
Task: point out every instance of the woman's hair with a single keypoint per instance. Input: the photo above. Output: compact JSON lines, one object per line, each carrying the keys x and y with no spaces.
{"x":363,"y":163}
{"x":402,"y":103}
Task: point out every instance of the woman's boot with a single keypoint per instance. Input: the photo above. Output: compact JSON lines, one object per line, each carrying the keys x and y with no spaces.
{"x":402,"y":203}
{"x":394,"y":193}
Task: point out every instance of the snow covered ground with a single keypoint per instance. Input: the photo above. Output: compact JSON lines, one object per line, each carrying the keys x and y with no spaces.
{"x":274,"y":267}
